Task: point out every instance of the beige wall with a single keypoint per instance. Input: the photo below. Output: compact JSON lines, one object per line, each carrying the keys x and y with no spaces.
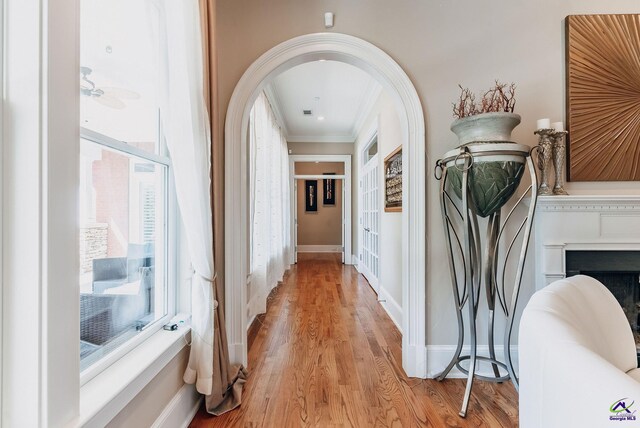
{"x":145,"y":408}
{"x":323,"y":227}
{"x":313,"y":168}
{"x":438,"y":44}
{"x":320,"y":148}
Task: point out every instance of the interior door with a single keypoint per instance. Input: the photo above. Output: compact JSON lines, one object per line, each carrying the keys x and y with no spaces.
{"x":344,"y":223}
{"x":295,"y":222}
{"x":370,"y":222}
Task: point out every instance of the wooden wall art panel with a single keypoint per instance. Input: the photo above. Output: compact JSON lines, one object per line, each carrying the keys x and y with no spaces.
{"x":603,"y":97}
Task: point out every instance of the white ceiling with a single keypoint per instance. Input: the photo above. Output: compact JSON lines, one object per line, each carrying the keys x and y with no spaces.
{"x":341,"y":93}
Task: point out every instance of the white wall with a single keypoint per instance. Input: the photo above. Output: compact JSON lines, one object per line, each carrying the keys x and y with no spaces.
{"x":385,"y":117}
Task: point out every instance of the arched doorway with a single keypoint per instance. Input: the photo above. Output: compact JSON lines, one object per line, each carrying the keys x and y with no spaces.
{"x":362,"y":54}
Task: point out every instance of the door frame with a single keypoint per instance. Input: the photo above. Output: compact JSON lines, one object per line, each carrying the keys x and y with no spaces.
{"x":346,"y":199}
{"x":373,"y":60}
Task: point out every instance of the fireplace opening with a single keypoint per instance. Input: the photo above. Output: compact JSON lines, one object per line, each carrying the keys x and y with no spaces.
{"x":619,"y":271}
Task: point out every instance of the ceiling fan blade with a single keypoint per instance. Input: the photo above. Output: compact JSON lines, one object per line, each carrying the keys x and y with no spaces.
{"x":125,"y":94}
{"x":110,"y":101}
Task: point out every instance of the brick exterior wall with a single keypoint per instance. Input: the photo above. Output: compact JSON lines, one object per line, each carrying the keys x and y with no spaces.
{"x":93,"y":244}
{"x":111,"y":181}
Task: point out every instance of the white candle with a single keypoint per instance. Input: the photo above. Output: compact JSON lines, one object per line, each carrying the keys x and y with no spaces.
{"x":543,"y":124}
{"x":557,"y":126}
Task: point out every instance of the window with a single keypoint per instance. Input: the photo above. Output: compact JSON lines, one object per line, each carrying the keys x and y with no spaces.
{"x":372,"y":149}
{"x":124,"y":184}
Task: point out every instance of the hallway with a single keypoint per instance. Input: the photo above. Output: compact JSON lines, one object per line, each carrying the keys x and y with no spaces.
{"x":327,"y":354}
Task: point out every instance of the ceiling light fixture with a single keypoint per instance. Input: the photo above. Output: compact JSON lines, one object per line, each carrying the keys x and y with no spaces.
{"x":320,"y":118}
{"x":321,"y":60}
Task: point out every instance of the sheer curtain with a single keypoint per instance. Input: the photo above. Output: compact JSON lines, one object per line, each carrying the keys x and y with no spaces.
{"x":270,"y":202}
{"x":186,"y":127}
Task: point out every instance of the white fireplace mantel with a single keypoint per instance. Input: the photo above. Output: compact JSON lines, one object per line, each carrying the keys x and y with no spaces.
{"x":582,"y":222}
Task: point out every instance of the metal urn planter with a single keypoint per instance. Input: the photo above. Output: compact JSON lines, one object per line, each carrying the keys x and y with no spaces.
{"x":496,"y":126}
{"x":493,"y":179}
{"x":477,"y":179}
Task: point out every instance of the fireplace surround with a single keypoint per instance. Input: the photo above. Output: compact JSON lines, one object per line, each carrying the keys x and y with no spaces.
{"x":582,"y":223}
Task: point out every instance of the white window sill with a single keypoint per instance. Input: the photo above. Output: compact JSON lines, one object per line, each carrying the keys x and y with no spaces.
{"x":104,"y":396}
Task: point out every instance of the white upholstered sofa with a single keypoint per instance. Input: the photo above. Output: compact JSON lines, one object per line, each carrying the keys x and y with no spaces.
{"x":577,"y":358}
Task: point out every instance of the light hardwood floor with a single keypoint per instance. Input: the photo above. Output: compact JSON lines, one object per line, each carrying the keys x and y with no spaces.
{"x":327,"y":355}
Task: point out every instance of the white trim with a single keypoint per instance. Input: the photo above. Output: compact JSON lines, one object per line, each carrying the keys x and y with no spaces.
{"x":439,"y":357}
{"x":102,"y":398}
{"x":2,"y":97}
{"x":274,"y":101}
{"x":391,"y":307}
{"x":317,"y":177}
{"x":121,"y":146}
{"x":181,"y":409}
{"x":319,"y":248}
{"x":40,"y":172}
{"x":589,"y":203}
{"x":582,"y":222}
{"x":346,"y":196}
{"x":355,"y":261}
{"x":362,"y":54}
{"x":320,"y":139}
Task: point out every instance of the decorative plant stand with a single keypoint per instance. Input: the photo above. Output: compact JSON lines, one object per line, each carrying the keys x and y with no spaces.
{"x":483,"y":177}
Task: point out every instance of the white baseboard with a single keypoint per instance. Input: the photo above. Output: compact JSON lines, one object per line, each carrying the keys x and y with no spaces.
{"x":414,"y":361}
{"x":354,"y":261}
{"x":181,"y":409}
{"x":439,"y":356}
{"x":393,"y":309}
{"x":319,"y":248}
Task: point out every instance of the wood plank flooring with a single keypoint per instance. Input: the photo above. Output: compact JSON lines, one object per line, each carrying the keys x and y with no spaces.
{"x":327,"y":355}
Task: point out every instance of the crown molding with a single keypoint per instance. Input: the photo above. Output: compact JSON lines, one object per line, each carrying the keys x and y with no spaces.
{"x":271,"y":92}
{"x":368,"y":101}
{"x":589,"y":203}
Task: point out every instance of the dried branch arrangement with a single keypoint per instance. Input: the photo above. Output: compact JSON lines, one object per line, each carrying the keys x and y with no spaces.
{"x":499,"y":98}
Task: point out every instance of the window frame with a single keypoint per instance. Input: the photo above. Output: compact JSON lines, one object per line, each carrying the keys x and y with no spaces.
{"x":171,"y":231}
{"x":40,"y":219}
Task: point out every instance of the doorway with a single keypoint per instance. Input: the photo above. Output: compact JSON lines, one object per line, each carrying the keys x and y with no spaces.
{"x":357,"y":52}
{"x":314,"y":168}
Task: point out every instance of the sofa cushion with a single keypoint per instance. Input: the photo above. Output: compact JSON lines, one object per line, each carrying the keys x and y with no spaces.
{"x":590,"y":316}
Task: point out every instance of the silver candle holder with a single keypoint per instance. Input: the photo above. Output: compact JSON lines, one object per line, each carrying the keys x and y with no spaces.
{"x":552,"y":153}
{"x":545,"y":155}
{"x":559,"y":154}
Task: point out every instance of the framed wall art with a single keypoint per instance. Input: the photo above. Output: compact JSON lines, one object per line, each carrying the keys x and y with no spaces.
{"x":311,"y":196}
{"x":393,"y":181}
{"x":603,"y":83}
{"x":329,"y":190}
